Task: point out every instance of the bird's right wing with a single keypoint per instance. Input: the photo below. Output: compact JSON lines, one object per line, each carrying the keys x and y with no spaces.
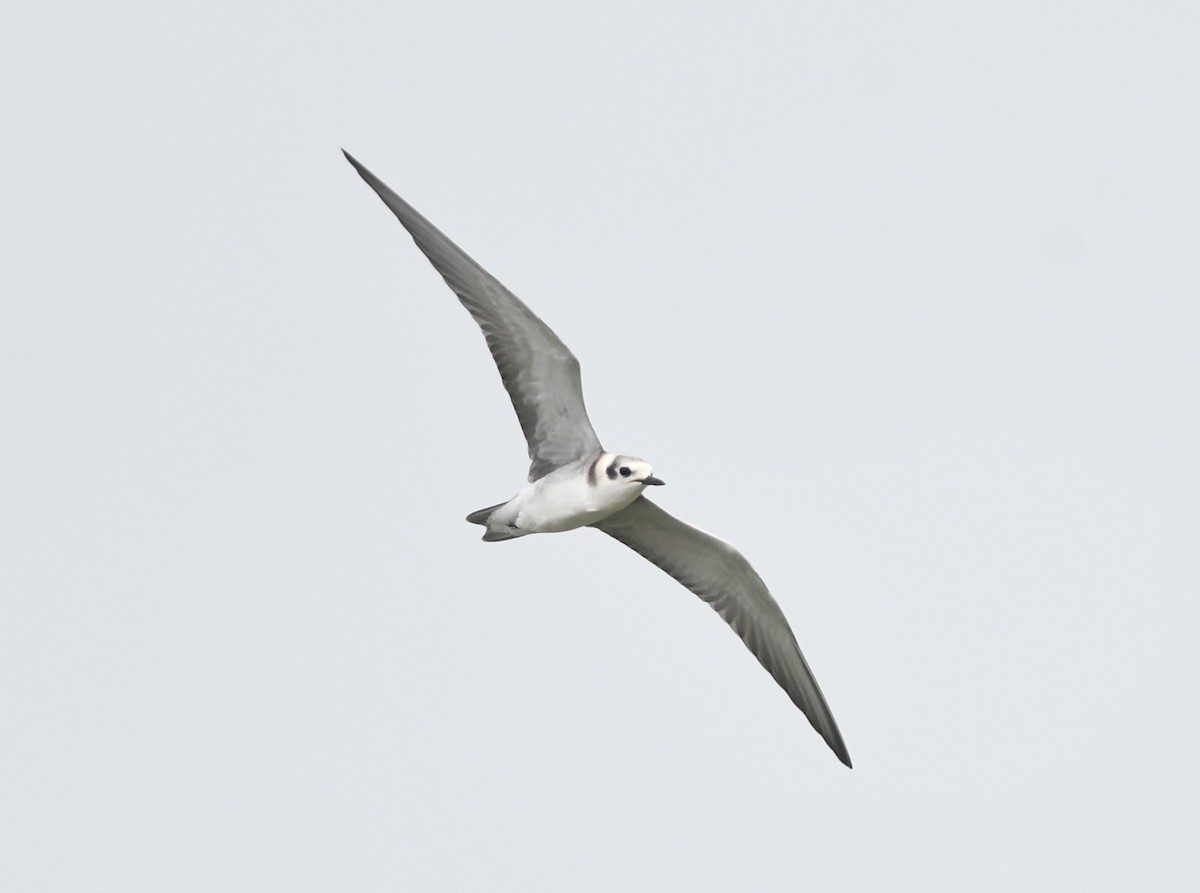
{"x":540,"y":374}
{"x":717,"y":572}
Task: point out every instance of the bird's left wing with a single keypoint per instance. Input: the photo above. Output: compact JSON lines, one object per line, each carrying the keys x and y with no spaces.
{"x":540,"y":374}
{"x":721,"y":576}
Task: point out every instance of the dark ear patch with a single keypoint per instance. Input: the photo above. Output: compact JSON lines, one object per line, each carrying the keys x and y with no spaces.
{"x":611,"y":471}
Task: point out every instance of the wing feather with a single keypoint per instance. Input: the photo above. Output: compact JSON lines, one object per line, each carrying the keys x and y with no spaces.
{"x":540,"y":374}
{"x":722,"y":577}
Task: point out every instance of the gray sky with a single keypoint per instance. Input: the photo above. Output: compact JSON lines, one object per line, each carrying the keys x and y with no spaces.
{"x":901,"y":301}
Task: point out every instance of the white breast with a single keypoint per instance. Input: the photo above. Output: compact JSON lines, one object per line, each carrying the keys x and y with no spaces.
{"x":566,"y":499}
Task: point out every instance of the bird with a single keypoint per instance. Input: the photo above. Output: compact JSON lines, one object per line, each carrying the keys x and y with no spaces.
{"x":574,"y":482}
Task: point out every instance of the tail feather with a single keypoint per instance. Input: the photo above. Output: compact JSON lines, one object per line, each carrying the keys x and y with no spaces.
{"x":481,"y":516}
{"x":497,"y":536}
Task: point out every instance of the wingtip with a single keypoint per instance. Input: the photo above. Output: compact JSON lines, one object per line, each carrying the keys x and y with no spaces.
{"x":381,"y":189}
{"x":838,"y":746}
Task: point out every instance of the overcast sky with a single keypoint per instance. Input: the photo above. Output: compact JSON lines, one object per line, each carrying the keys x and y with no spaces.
{"x":901,"y":299}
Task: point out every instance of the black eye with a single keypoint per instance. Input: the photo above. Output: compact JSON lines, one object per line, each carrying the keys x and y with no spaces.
{"x":624,"y":471}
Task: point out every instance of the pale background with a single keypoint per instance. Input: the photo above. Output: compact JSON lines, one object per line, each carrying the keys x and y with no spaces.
{"x":902,"y":299}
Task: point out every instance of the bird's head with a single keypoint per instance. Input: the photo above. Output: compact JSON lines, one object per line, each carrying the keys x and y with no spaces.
{"x":632,"y":472}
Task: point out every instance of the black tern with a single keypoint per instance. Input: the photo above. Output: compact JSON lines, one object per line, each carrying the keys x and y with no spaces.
{"x":574,"y":482}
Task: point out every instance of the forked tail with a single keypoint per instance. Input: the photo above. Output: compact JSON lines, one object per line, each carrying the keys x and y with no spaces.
{"x":491,"y":535}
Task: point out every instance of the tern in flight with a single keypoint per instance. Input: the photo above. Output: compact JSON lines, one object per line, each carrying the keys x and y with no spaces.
{"x":575,"y":482}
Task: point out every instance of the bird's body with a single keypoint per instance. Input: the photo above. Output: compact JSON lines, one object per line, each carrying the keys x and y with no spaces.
{"x":574,"y":482}
{"x":572,"y":496}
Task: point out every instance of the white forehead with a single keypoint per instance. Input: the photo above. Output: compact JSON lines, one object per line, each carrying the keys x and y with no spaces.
{"x":630,"y":461}
{"x":615,"y":463}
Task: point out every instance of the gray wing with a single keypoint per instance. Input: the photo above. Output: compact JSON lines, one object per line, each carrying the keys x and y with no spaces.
{"x":540,"y":374}
{"x":718,"y":573}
